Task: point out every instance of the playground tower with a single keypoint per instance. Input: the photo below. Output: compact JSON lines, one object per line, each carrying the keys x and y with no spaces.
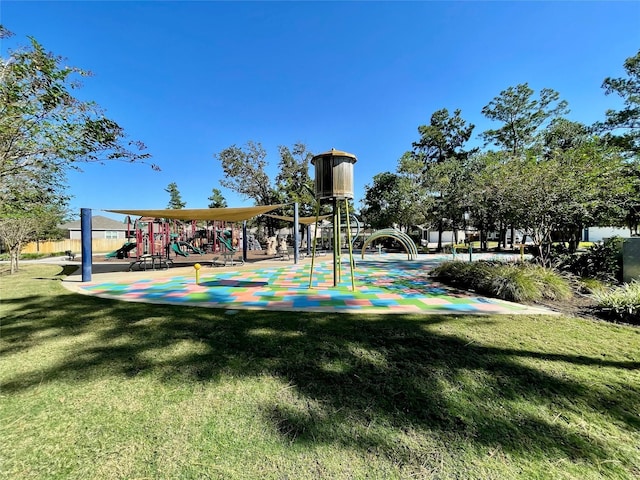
{"x":334,"y":184}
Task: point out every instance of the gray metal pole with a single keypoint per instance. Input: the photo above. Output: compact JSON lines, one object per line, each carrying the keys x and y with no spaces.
{"x":244,"y":240}
{"x":296,"y":235}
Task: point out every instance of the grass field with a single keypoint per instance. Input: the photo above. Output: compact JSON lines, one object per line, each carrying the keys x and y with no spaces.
{"x":98,"y":389}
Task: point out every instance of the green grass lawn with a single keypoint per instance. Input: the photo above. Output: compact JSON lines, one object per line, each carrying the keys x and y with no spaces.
{"x":98,"y":389}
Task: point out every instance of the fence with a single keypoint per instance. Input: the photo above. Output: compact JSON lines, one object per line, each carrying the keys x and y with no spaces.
{"x":99,"y":245}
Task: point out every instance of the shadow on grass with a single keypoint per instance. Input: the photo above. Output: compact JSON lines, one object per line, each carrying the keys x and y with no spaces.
{"x":394,"y":370}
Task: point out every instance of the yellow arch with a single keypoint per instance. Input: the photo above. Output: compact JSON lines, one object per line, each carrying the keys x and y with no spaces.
{"x":408,"y":244}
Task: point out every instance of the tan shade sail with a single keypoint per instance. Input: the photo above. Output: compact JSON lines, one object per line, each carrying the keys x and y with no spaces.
{"x":223,"y":214}
{"x":302,"y":220}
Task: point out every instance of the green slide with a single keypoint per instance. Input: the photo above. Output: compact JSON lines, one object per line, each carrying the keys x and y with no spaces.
{"x":123,"y":251}
{"x":188,"y":246}
{"x":176,"y":248}
{"x":227,"y":243}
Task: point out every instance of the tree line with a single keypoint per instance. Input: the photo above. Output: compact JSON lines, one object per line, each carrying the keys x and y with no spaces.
{"x":538,"y":171}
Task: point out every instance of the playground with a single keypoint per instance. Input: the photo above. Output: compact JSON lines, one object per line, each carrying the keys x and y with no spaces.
{"x":384,"y":283}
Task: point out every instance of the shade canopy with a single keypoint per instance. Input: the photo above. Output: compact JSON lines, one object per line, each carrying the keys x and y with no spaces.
{"x":302,"y":220}
{"x":223,"y":214}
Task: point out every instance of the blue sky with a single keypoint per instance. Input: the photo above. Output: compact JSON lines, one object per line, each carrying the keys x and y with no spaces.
{"x":192,"y":78}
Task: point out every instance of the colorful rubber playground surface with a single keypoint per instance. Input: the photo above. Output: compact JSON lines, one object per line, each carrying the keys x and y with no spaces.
{"x":386,"y":283}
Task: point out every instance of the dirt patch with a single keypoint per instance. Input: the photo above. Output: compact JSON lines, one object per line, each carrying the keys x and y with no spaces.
{"x":582,"y":306}
{"x":578,"y":305}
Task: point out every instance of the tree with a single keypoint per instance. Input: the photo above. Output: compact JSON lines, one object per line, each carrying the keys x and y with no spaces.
{"x":217,"y":200}
{"x":388,"y":201}
{"x":521,"y":116}
{"x":244,"y":172}
{"x":628,"y":118}
{"x":442,"y":141}
{"x":560,"y":191}
{"x":444,"y":137}
{"x":293,"y":180}
{"x":45,"y":131}
{"x":13,"y":232}
{"x":175,"y":199}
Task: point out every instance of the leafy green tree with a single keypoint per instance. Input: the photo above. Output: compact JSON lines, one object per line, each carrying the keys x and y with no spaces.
{"x":216,"y":199}
{"x":444,"y":138}
{"x":627,"y":120}
{"x":522,"y":116}
{"x":562,"y":190}
{"x":45,"y":131}
{"x":388,"y":202}
{"x":244,"y":172}
{"x":175,"y":199}
{"x":293,"y":180}
{"x":441,"y":142}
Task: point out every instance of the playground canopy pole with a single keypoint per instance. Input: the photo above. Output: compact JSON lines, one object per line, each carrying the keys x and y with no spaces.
{"x":336,"y":242}
{"x":244,"y":240}
{"x":85,"y":229}
{"x":296,"y":241}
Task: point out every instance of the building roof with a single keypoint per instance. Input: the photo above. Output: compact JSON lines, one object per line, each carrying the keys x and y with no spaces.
{"x":98,"y":222}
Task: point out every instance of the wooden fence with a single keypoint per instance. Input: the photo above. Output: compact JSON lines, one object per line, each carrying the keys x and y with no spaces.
{"x":99,"y":245}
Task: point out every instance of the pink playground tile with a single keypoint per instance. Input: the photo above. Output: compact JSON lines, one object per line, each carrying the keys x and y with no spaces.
{"x":133,"y":295}
{"x":318,"y":297}
{"x":488,"y":307}
{"x":434,"y":301}
{"x":176,"y":294}
{"x":356,"y":302}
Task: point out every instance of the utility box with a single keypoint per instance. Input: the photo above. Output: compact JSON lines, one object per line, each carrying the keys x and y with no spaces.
{"x":334,"y":174}
{"x":631,"y":259}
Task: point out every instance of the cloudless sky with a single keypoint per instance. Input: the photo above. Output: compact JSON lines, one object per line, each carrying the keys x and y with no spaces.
{"x":192,"y":78}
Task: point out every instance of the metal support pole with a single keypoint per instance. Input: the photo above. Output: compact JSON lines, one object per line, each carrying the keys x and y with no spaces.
{"x":336,"y":242}
{"x":296,"y":235}
{"x":315,"y":239}
{"x":352,"y":264}
{"x":245,"y":240}
{"x":86,"y":229}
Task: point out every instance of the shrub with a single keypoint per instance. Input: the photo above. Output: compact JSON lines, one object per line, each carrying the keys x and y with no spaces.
{"x":621,"y":303}
{"x":554,"y":286}
{"x":517,"y":282}
{"x":602,"y":261}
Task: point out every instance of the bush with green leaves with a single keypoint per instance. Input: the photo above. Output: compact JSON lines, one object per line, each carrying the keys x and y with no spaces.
{"x":620,"y":303}
{"x":602,"y":261}
{"x":519,"y":282}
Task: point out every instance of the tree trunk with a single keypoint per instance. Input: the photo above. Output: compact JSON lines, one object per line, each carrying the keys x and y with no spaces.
{"x":574,"y":239}
{"x":14,"y":256}
{"x":439,"y":249}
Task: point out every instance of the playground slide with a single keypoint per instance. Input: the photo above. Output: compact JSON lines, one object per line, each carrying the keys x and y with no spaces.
{"x":176,"y":248}
{"x":227,"y":243}
{"x":122,"y":251}
{"x":193,"y":248}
